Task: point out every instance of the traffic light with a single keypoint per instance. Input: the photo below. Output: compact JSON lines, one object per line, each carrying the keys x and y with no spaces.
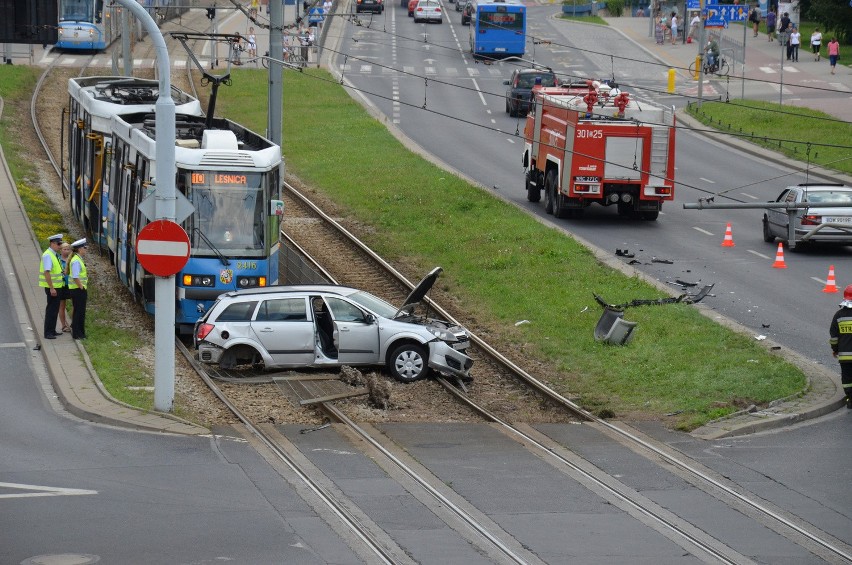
{"x":211,"y":13}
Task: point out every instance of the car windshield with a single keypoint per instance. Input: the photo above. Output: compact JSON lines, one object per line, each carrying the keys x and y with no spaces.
{"x":829,"y":196}
{"x":528,"y":80}
{"x":374,"y":304}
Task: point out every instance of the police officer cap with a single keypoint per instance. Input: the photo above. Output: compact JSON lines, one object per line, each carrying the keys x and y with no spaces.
{"x":80,"y":243}
{"x":56,"y":237}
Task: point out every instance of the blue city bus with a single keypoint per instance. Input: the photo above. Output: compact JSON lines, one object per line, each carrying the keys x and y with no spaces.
{"x":498,"y":29}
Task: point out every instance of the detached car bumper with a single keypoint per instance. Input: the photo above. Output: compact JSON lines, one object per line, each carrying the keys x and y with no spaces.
{"x":208,"y":353}
{"x":447,"y":360}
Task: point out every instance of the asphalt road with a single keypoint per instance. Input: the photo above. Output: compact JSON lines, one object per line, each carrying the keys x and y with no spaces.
{"x":453,"y":107}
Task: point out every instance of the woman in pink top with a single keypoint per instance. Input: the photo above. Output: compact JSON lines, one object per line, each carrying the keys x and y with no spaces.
{"x":833,"y":53}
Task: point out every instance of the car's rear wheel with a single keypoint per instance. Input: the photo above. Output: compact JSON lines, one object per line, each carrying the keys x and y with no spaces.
{"x":767,"y":235}
{"x":408,"y":362}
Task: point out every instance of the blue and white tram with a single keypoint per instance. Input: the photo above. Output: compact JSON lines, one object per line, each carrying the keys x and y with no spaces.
{"x":231,"y":175}
{"x":88,"y":25}
{"x":93,"y":101}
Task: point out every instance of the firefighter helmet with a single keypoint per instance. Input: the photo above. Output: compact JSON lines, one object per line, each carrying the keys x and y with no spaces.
{"x":847,"y":293}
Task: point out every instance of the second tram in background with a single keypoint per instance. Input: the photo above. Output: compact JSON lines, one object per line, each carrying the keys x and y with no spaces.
{"x":231,"y":175}
{"x":498,"y":29}
{"x":91,"y":25}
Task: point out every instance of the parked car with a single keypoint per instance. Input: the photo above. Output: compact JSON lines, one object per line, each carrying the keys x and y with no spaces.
{"x":412,"y":4}
{"x":816,"y":225}
{"x":460,"y":5}
{"x":466,"y":11}
{"x":428,"y":11}
{"x":374,"y":6}
{"x":331,"y":326}
{"x":519,"y":93}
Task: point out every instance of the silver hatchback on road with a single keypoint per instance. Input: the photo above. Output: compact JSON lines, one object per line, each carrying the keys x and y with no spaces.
{"x":331,"y":326}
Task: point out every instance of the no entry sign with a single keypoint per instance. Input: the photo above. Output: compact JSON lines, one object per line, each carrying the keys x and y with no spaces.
{"x":162,"y":248}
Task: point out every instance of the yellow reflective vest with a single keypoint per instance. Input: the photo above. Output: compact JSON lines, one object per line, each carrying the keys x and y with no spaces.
{"x":84,"y":278}
{"x":55,"y":271}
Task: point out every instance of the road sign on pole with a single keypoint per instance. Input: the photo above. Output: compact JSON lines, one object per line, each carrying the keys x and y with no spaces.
{"x":162,"y":248}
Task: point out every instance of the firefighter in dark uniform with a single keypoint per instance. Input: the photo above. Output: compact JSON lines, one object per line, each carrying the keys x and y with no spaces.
{"x":50,"y":279}
{"x":840,"y":333}
{"x":78,"y":283}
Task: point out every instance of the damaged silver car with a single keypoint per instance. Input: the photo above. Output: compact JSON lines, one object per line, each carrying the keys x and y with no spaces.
{"x":331,"y":326}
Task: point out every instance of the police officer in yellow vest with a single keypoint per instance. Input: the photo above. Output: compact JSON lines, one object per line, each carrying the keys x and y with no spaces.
{"x":78,"y":282}
{"x":50,"y":279}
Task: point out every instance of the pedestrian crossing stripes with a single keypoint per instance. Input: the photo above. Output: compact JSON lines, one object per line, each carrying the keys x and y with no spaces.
{"x":427,"y":70}
{"x":107,"y":62}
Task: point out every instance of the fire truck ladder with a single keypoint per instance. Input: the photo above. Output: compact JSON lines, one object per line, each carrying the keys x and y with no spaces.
{"x":659,"y":150}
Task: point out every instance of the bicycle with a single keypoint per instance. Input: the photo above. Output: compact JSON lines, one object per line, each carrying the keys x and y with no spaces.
{"x":721,"y":68}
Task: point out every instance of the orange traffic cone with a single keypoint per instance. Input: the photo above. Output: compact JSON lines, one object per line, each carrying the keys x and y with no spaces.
{"x":779,"y":258}
{"x":831,"y":284}
{"x":729,"y":237}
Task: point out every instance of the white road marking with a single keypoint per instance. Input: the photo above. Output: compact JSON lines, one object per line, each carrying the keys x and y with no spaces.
{"x":759,"y":254}
{"x":42,"y":491}
{"x":747,"y":195}
{"x":707,"y":180}
{"x":820,"y":281}
{"x":481,"y":96}
{"x":705,"y":232}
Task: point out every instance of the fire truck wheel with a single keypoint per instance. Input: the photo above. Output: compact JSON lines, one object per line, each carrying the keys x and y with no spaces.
{"x":549,"y":190}
{"x":649,"y":216}
{"x":533,"y":191}
{"x":560,"y":208}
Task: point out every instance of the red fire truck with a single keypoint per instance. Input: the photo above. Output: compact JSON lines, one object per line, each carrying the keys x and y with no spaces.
{"x":590,"y":143}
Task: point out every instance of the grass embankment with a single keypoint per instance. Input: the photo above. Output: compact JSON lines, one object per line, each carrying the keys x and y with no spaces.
{"x":506,"y":267}
{"x":110,"y":344}
{"x":785,"y":129}
{"x":503,"y":265}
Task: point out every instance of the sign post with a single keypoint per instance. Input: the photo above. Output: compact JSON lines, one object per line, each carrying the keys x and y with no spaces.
{"x":164,"y":287}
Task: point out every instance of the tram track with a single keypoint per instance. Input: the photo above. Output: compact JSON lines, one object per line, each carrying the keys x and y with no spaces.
{"x":512,"y":382}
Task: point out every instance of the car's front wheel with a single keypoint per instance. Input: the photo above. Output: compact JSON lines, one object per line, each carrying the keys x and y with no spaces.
{"x":767,"y":235}
{"x":408,"y":363}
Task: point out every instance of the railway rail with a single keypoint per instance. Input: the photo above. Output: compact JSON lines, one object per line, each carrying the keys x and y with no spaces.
{"x":502,"y":393}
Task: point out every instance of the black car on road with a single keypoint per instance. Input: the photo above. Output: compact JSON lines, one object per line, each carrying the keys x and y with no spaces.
{"x":521,"y":83}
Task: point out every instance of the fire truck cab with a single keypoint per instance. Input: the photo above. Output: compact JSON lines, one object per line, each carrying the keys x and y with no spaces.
{"x":590,"y":143}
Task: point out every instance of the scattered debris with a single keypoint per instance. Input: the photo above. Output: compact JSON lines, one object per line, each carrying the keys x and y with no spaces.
{"x":683,"y":298}
{"x":309,"y":430}
{"x":764,"y":325}
{"x":584,"y":309}
{"x":380,"y":390}
{"x":624,"y":253}
{"x":634,"y":262}
{"x":685,"y":283}
{"x":351,"y":376}
{"x":760,"y":337}
{"x":522,"y":322}
{"x":664,"y":261}
{"x":675,"y":413}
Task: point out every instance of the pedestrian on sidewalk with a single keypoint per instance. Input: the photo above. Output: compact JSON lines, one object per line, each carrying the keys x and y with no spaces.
{"x":754,"y":18}
{"x":673,"y":22}
{"x":833,"y":53}
{"x":816,"y":43}
{"x":795,"y":41}
{"x":64,"y":292}
{"x":840,"y":339}
{"x":770,"y":25}
{"x":659,"y":30}
{"x":79,"y":284}
{"x":693,"y":26}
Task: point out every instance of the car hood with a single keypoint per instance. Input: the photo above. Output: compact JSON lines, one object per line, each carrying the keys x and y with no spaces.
{"x":419,"y":291}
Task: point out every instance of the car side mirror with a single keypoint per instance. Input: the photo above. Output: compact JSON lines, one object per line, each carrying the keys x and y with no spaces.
{"x":370,"y":319}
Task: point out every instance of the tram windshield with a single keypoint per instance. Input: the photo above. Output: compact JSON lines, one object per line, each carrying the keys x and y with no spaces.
{"x":229,"y":212}
{"x":77,"y":10}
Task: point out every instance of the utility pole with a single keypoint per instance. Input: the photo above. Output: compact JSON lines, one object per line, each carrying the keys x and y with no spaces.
{"x":164,"y":287}
{"x":275,"y":93}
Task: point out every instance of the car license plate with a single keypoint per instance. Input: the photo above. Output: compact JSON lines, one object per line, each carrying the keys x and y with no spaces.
{"x":837,"y":220}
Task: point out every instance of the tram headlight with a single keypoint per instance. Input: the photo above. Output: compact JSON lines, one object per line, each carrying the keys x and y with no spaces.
{"x":250,"y":282}
{"x":199,"y":280}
